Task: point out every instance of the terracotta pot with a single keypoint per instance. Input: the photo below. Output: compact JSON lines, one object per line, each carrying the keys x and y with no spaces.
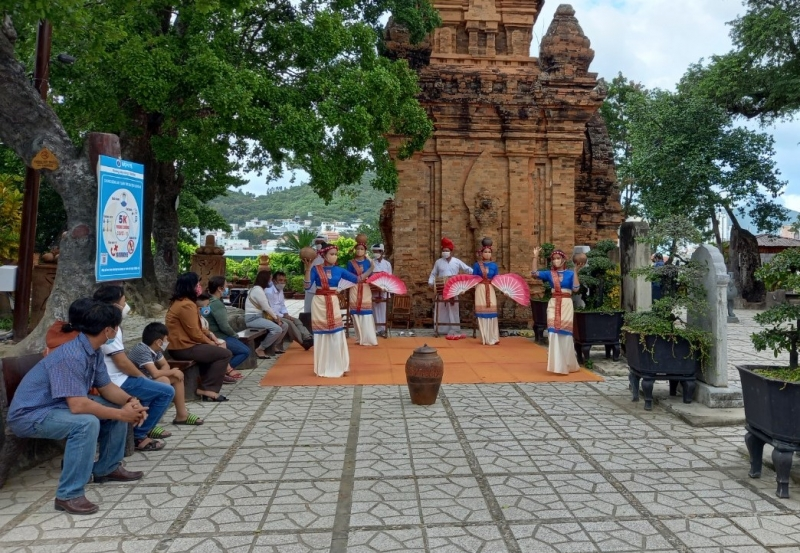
{"x":579,"y":258}
{"x":308,"y":253}
{"x":424,"y":371}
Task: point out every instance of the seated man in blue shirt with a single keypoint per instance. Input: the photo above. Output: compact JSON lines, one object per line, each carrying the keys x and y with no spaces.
{"x":53,"y":402}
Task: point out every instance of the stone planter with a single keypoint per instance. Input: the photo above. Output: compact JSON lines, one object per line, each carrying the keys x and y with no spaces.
{"x":424,"y":371}
{"x":595,"y":329}
{"x":288,"y":294}
{"x":539,"y":313}
{"x":772,"y":415}
{"x":660,"y":359}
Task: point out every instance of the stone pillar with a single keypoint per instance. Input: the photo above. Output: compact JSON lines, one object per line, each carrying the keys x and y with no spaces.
{"x":713,"y":389}
{"x":209,"y":261}
{"x":637,"y":293}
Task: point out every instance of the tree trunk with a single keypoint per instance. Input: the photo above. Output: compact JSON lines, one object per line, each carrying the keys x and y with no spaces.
{"x":744,"y":260}
{"x":717,"y":234}
{"x":146,"y":291}
{"x":28,"y":124}
{"x":166,"y":226}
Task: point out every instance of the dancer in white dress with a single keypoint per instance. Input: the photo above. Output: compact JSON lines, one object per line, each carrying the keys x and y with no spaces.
{"x":380,"y":265}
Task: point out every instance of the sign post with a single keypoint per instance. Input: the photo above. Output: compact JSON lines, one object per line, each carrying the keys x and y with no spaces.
{"x":120,"y":197}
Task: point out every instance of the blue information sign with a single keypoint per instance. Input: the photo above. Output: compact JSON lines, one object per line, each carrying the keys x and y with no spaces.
{"x":120,"y":196}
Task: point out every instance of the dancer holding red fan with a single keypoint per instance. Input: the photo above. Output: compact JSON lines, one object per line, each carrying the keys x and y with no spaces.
{"x":561,"y":352}
{"x":360,"y":298}
{"x":485,"y":298}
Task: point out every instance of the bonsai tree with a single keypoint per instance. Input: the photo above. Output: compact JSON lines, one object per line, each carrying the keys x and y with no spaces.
{"x":682,"y":290}
{"x":781,"y":322}
{"x":600,"y":280}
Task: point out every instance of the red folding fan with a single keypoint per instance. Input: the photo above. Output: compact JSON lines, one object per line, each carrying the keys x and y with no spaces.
{"x":388,"y":283}
{"x":513,"y":286}
{"x":457,"y":285}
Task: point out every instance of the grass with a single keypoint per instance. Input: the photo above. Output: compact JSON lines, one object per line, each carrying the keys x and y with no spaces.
{"x":5,"y":323}
{"x":785,"y":373}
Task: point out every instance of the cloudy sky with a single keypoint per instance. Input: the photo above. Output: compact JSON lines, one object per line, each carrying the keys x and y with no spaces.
{"x":653,"y":42}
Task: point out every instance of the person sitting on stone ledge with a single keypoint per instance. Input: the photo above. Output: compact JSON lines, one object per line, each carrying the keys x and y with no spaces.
{"x":297,"y":331}
{"x":52,"y":402}
{"x":219,"y":324}
{"x":259,"y":314}
{"x":157,"y":396}
{"x":203,"y":304}
{"x":148,"y":356}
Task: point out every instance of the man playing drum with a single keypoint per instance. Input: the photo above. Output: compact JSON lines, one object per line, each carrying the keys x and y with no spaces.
{"x":447,"y":312}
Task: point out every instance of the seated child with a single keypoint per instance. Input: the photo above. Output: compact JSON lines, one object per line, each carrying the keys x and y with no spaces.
{"x":148,"y":356}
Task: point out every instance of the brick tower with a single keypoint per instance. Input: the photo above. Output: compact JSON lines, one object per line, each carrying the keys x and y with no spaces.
{"x":518,"y":154}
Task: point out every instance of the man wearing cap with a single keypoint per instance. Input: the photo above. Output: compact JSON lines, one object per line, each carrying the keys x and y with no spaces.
{"x":319,"y":241}
{"x":380,"y":265}
{"x":447,"y":313}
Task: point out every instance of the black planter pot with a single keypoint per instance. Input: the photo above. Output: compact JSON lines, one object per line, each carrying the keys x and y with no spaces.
{"x":539,"y":312}
{"x":660,"y":359}
{"x":772,"y":415}
{"x":592,"y":329}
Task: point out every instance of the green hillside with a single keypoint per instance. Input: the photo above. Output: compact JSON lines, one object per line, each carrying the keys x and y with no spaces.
{"x":359,"y":202}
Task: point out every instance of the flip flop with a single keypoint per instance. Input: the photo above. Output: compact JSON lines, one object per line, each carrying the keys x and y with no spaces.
{"x":153,"y":445}
{"x":158,"y":432}
{"x":191,"y":420}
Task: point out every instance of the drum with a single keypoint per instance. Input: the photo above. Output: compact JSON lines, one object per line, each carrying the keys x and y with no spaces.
{"x":440,"y":285}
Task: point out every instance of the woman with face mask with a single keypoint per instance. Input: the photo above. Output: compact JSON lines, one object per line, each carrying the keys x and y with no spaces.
{"x":379,"y":298}
{"x":445,"y":314}
{"x":360,"y":297}
{"x":331,"y":356}
{"x":561,"y":357}
{"x":485,"y":299}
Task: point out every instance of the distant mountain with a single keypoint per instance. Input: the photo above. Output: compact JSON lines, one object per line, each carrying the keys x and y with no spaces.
{"x":360,"y":202}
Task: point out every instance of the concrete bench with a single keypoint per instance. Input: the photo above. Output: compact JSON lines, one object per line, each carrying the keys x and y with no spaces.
{"x":19,"y":454}
{"x":251,"y":337}
{"x":191,"y":377}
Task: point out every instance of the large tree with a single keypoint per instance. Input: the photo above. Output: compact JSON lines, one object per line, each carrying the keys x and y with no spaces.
{"x":197,"y":90}
{"x":760,"y":76}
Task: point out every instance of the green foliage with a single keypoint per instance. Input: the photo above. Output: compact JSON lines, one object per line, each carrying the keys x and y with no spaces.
{"x":185,"y":252}
{"x":10,"y":217}
{"x":783,"y":374}
{"x":295,"y":241}
{"x":357,"y":202}
{"x":682,"y":294}
{"x":598,"y":278}
{"x":782,"y":271}
{"x":347,"y":248}
{"x":688,"y":158}
{"x":289,"y":263}
{"x":296,"y":284}
{"x":6,"y":323}
{"x":544,"y":259}
{"x":673,"y":233}
{"x":758,"y":78}
{"x":244,"y":269}
{"x":373,"y":232}
{"x":781,"y":322}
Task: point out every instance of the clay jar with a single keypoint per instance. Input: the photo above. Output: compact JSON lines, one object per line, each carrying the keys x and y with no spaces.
{"x":579,"y":259}
{"x":308,"y":253}
{"x":424,"y":371}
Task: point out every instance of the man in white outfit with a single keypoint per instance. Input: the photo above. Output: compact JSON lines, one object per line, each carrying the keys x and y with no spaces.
{"x":447,"y":313}
{"x":380,"y":265}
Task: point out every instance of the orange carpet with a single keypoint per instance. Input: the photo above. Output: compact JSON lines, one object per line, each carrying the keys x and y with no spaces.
{"x":465,"y":362}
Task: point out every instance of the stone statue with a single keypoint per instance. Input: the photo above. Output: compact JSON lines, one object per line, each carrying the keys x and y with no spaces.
{"x":732,"y":292}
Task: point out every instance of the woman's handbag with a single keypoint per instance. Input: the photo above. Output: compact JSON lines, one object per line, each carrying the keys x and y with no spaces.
{"x":264,"y":314}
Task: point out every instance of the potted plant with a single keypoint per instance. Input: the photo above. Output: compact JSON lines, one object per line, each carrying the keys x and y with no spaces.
{"x":771,"y":394}
{"x":539,"y":305}
{"x":660,"y":344}
{"x":296,"y":284}
{"x":599,"y":321}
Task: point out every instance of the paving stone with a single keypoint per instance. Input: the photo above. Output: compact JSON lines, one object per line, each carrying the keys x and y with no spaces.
{"x":385,"y":541}
{"x":386,"y":502}
{"x":712,"y":534}
{"x":452,"y":500}
{"x":305,"y":542}
{"x":466,"y":539}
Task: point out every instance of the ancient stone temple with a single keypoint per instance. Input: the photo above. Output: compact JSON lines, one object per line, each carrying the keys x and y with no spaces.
{"x":518,"y":154}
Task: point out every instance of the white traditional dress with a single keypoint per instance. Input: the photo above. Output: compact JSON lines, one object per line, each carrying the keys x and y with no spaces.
{"x":561,"y":357}
{"x":331,"y":356}
{"x":360,"y":305}
{"x":486,"y":303}
{"x":447,"y":313}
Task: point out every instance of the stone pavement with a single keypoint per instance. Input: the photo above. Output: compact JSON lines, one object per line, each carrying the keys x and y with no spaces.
{"x":488,"y":468}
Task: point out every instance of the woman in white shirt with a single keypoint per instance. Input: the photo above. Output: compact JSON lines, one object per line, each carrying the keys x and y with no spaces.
{"x":258,"y":313}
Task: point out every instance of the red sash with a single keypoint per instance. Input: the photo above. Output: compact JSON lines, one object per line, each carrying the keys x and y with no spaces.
{"x":325,"y":290}
{"x":486,"y":282}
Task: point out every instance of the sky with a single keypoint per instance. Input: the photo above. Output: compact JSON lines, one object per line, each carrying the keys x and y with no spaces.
{"x":653,"y":42}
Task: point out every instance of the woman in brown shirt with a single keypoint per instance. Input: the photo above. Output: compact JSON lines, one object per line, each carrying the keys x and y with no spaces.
{"x":187,"y":342}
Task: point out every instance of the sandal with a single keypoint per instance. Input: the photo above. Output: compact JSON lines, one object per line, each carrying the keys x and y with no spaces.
{"x":280,"y":351}
{"x":234,"y":374}
{"x":191,"y":420}
{"x":158,"y":432}
{"x":152,"y":445}
{"x":228,"y":379}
